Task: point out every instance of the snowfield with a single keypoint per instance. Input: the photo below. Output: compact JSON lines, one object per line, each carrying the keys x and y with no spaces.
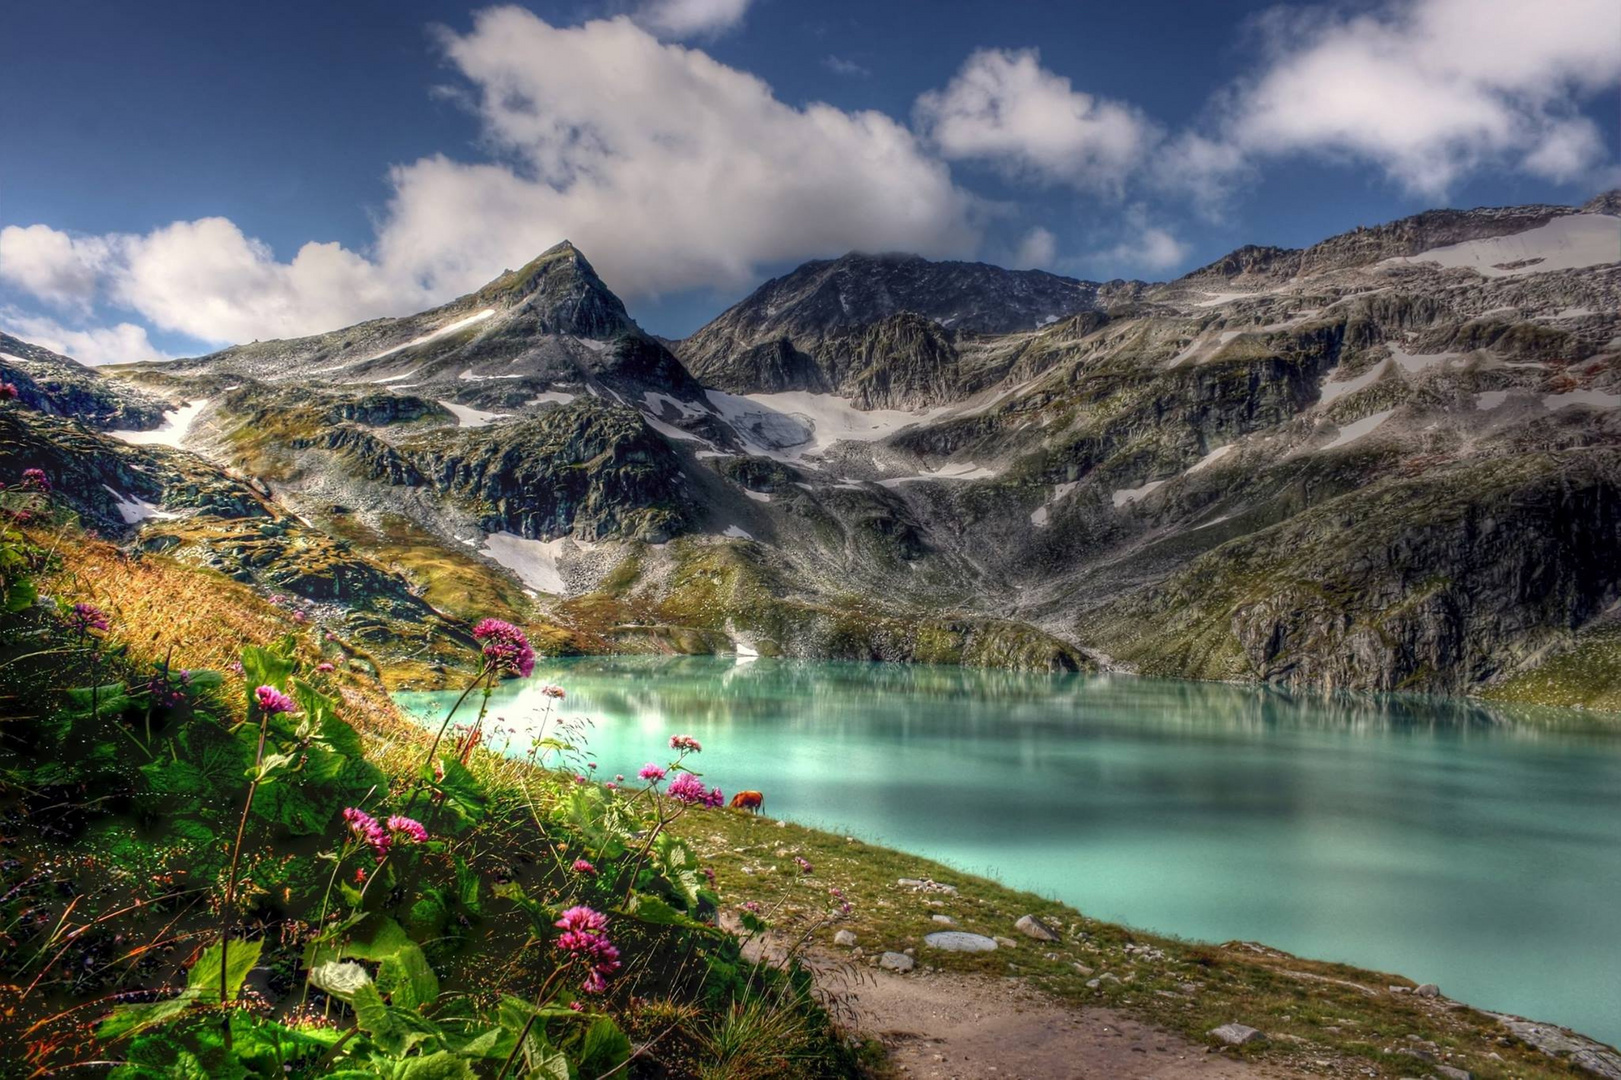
{"x":1565,"y":243}
{"x":173,"y":430}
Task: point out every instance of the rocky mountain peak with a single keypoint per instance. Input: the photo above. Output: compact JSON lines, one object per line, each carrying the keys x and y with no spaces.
{"x":803,"y":330}
{"x":563,"y":293}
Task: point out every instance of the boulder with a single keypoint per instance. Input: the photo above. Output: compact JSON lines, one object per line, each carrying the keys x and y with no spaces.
{"x":1427,"y":990}
{"x":958,"y":941}
{"x":1030,"y":926}
{"x":894,"y":961}
{"x":1237,"y":1035}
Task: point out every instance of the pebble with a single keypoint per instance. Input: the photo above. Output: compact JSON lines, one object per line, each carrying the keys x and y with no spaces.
{"x":1237,"y":1034}
{"x":944,"y":920}
{"x":1082,"y":969}
{"x":894,"y":961}
{"x":958,"y":941}
{"x":1030,"y":926}
{"x":1005,"y":942}
{"x":845,"y":938}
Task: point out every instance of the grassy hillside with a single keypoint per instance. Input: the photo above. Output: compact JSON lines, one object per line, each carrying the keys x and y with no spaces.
{"x":225,"y":854}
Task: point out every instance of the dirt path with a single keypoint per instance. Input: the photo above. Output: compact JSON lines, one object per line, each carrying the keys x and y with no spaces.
{"x":959,"y":1027}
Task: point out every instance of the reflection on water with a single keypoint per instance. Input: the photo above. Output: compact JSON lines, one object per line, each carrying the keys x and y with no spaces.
{"x":1475,"y":847}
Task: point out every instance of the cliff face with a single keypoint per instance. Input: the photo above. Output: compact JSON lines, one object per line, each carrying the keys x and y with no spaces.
{"x":61,"y":386}
{"x":1390,"y":460}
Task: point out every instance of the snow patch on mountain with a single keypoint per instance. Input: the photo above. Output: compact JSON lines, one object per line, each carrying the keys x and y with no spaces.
{"x":176,"y":425}
{"x":1565,"y":243}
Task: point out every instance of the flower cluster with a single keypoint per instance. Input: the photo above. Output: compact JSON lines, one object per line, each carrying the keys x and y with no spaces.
{"x":168,"y":691}
{"x":35,"y":480}
{"x":689,"y":789}
{"x":584,"y":935}
{"x":651,"y":773}
{"x":552,"y":691}
{"x":366,"y":828}
{"x":8,"y":391}
{"x":803,"y":864}
{"x":273,"y":701}
{"x":505,"y":647}
{"x":583,"y":866}
{"x":86,"y":617}
{"x":685,"y":743}
{"x":408,"y":830}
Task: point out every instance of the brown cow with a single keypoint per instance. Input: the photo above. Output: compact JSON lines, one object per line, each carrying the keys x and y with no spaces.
{"x":749,"y":800}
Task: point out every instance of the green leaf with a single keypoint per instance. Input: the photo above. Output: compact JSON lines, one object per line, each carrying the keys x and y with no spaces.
{"x":204,"y":977}
{"x":605,"y":1048}
{"x":373,"y":1017}
{"x":441,"y":1066}
{"x":464,"y":795}
{"x":340,"y":978}
{"x":656,"y":912}
{"x":547,"y":1065}
{"x":264,"y":667}
{"x":679,"y":865}
{"x":131,"y":1019}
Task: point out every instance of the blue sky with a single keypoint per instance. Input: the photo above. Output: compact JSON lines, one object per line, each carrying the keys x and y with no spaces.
{"x":184,"y":175}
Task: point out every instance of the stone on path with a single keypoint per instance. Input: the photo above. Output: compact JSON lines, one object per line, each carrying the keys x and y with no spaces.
{"x":845,"y":938}
{"x":1237,"y":1034}
{"x":958,"y":941}
{"x":894,"y":961}
{"x":1030,"y":926}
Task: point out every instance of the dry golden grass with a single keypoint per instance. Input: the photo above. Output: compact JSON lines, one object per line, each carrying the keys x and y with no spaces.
{"x":158,"y":604}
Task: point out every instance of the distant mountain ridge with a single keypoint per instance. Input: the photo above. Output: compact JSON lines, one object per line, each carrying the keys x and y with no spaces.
{"x":1389,"y":460}
{"x":832,"y":325}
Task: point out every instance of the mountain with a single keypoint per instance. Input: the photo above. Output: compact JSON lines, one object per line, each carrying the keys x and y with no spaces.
{"x":56,"y":384}
{"x":551,"y":326}
{"x":1391,"y":460}
{"x":880,"y":328}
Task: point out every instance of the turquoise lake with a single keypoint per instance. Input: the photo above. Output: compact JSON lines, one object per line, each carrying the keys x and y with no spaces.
{"x":1472,"y":847}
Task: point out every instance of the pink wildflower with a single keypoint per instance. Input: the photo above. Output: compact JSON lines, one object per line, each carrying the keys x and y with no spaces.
{"x":407,"y":829}
{"x":505,"y":647}
{"x":803,"y":864}
{"x":8,"y":391}
{"x":35,"y":480}
{"x":367,"y":830}
{"x":689,"y":789}
{"x":752,"y":906}
{"x":325,"y":666}
{"x":273,"y":701}
{"x":651,"y":772}
{"x":88,"y":617}
{"x":684,"y":743}
{"x":581,"y":866}
{"x":553,"y":691}
{"x":584,"y":936}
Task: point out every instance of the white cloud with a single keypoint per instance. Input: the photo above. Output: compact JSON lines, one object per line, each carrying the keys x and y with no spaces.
{"x":838,"y":65}
{"x":121,"y":344}
{"x":206,"y":279}
{"x":1038,"y":249}
{"x":58,"y":268}
{"x":668,"y":169}
{"x":1431,"y":90}
{"x":1005,"y":108}
{"x":691,"y":18}
{"x":1149,"y":248}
